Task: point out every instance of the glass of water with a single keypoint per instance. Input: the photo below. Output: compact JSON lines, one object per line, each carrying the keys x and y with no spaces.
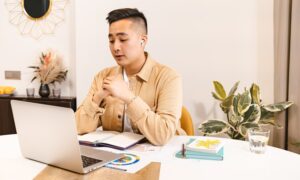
{"x":258,"y":139}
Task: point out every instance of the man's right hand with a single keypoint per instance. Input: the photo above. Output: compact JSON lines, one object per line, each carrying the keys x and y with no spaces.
{"x":99,"y":96}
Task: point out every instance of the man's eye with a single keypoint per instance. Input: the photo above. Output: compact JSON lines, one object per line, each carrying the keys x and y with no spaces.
{"x":111,"y":41}
{"x":123,"y":40}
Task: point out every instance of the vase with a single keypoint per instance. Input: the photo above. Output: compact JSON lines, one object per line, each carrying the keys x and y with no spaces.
{"x":44,"y":90}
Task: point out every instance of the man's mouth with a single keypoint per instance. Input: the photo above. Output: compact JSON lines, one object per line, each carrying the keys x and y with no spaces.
{"x":119,"y":56}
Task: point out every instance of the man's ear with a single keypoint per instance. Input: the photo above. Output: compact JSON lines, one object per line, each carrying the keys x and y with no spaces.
{"x":144,"y":40}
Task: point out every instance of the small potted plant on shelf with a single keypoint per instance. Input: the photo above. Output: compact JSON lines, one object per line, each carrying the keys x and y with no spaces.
{"x":49,"y":71}
{"x":243,"y":111}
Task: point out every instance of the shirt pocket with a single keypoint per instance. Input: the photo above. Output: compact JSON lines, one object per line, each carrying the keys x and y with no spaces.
{"x":113,"y":116}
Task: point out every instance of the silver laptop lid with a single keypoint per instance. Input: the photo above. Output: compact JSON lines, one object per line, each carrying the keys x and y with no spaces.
{"x":47,"y":134}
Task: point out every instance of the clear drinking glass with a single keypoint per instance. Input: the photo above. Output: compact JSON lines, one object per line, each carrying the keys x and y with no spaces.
{"x":30,"y":92}
{"x":56,"y":93}
{"x":258,"y":139}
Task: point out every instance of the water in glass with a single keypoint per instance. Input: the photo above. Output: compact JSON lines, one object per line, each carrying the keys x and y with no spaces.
{"x":258,"y":143}
{"x":258,"y":139}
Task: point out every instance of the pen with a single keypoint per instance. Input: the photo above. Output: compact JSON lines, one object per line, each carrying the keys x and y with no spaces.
{"x":116,"y":168}
{"x":183,"y":151}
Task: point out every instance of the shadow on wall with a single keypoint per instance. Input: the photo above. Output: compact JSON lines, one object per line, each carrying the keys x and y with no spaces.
{"x":202,"y":114}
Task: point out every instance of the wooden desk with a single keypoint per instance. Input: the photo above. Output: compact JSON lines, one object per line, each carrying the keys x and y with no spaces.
{"x":7,"y":125}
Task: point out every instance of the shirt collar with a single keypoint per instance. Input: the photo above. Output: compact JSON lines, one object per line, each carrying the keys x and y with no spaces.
{"x":146,"y":70}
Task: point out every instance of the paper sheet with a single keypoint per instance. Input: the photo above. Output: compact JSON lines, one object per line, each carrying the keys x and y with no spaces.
{"x":145,"y":147}
{"x":130,"y":163}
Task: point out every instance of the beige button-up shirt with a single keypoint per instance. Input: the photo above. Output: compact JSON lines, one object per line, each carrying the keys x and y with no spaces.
{"x":155,"y":111}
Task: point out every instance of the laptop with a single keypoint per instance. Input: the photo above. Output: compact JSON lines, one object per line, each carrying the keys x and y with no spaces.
{"x":48,"y":134}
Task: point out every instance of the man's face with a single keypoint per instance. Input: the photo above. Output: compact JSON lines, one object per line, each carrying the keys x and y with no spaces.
{"x":125,"y":42}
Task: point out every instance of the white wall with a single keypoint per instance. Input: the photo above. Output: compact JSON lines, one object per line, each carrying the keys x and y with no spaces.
{"x":17,"y":51}
{"x":205,"y":40}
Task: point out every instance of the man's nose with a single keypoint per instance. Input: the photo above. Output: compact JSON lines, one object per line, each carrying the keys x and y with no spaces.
{"x":116,"y":46}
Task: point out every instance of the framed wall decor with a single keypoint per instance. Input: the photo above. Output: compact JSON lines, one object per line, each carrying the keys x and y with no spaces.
{"x":36,"y":17}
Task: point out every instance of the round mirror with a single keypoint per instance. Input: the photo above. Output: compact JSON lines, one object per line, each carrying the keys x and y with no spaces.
{"x":37,"y":8}
{"x":36,"y":17}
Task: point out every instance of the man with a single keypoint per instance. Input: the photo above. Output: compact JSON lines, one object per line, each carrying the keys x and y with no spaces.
{"x":139,"y":95}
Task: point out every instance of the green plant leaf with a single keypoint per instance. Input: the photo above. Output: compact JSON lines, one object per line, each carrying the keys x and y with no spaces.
{"x":244,"y":102}
{"x":225,"y":105}
{"x":213,"y":127}
{"x":266,"y":114}
{"x":277,"y":107}
{"x":270,"y":121}
{"x":235,"y":103}
{"x":253,"y":114}
{"x":216,"y":96}
{"x":255,"y":93}
{"x":234,"y":88}
{"x":234,"y":118}
{"x":243,"y":128}
{"x":220,"y":92}
{"x":268,"y":117}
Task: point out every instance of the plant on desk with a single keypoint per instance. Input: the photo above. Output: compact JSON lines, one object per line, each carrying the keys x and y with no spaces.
{"x":49,"y":71}
{"x":243,"y":111}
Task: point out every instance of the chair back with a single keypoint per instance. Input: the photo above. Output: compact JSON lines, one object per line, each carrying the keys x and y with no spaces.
{"x":186,"y":122}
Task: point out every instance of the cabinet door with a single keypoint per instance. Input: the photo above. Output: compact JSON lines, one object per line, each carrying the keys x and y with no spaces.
{"x":7,"y":124}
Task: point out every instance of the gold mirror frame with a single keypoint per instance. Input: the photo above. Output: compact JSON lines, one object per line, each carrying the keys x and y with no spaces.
{"x":36,"y":27}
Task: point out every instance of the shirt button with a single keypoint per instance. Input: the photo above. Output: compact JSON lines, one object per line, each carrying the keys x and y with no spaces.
{"x":119,"y":116}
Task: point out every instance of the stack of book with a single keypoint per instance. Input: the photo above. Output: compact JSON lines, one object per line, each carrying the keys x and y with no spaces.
{"x":202,"y":148}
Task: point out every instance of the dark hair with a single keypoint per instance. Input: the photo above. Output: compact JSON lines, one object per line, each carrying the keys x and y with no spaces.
{"x":127,"y":13}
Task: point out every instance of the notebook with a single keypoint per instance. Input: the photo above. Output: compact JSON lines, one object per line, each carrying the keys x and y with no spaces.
{"x":208,"y":145}
{"x":48,"y":134}
{"x":111,"y":139}
{"x":219,"y":156}
{"x":202,"y":148}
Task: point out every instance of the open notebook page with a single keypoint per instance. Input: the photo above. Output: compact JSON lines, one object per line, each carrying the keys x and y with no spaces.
{"x":124,"y":139}
{"x":97,"y":136}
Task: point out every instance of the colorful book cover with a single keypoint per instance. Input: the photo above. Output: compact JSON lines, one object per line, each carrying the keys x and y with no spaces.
{"x":208,"y":145}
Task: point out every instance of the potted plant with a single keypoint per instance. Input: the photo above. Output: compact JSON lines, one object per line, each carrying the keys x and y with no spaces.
{"x":49,"y":71}
{"x":243,"y":111}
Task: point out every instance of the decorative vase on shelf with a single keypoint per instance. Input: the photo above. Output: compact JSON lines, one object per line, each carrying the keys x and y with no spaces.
{"x":44,"y":90}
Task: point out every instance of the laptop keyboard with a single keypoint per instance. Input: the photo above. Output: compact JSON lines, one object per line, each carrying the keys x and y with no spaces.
{"x":87,"y":161}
